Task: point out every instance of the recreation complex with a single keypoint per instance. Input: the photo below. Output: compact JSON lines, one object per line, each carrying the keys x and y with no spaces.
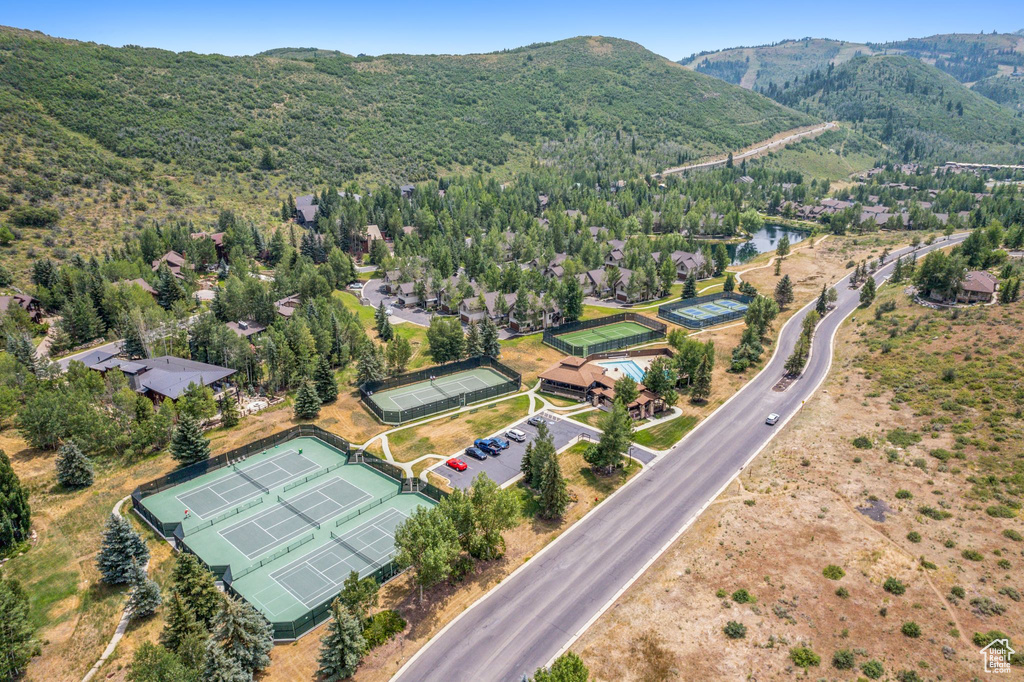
{"x":282,"y":522}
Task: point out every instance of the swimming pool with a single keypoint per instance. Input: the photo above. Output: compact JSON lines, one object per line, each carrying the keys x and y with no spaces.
{"x":628,"y":367}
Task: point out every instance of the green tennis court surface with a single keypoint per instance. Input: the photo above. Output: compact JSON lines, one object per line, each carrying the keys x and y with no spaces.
{"x":448,"y":386}
{"x":608,"y":332}
{"x":291,"y":523}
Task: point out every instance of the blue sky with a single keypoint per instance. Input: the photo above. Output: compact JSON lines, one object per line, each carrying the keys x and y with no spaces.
{"x":456,"y":26}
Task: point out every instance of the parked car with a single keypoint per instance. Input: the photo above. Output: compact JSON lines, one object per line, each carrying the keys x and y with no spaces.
{"x":499,"y":441}
{"x":772,"y":419}
{"x":535,"y":420}
{"x":355,"y":286}
{"x":389,"y":312}
{"x":487,"y":446}
{"x":476,"y":453}
{"x":457,"y":464}
{"x":516,"y":435}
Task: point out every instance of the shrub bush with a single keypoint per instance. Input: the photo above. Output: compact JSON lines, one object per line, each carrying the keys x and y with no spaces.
{"x":833,"y":572}
{"x":734,"y":630}
{"x":902,"y":438}
{"x":842,"y":593}
{"x":958,"y":592}
{"x":911,"y":629}
{"x":842,"y":659}
{"x":1001,"y":511}
{"x":804,"y":657}
{"x":721,"y":594}
{"x":894,"y":586}
{"x":933,"y":513}
{"x":1011,"y":534}
{"x":971,"y":555}
{"x":872,"y":669}
{"x":741,"y":596}
{"x":914,"y":536}
{"x":382,"y":626}
{"x":908,"y":676}
{"x":902,"y":494}
{"x":983,"y":639}
{"x":862,"y":442}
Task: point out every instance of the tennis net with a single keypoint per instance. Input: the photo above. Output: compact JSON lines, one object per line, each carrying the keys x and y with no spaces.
{"x":294,"y":510}
{"x":249,"y":478}
{"x":340,"y":541}
{"x":438,"y":387}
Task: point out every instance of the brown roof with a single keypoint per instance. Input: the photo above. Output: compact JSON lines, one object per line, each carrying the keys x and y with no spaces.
{"x":577,"y":372}
{"x":980,"y":282}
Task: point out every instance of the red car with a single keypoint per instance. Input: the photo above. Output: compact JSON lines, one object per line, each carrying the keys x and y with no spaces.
{"x":457,"y":464}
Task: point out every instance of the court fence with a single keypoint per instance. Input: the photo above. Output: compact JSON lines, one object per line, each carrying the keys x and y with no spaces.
{"x":287,"y":630}
{"x":510,"y":385}
{"x":668,"y":311}
{"x":656,"y":330}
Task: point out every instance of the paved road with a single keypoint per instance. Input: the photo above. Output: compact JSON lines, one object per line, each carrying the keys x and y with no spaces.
{"x":542,"y":608}
{"x":505,"y":467}
{"x":373,"y":292}
{"x":782,"y":142}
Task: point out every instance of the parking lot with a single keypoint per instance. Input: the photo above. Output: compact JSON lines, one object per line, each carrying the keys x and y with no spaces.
{"x":505,"y":466}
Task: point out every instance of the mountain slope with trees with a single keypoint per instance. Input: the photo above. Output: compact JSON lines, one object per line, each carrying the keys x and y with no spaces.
{"x":395,"y":117}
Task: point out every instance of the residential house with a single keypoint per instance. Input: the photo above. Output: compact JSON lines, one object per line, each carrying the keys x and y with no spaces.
{"x":592,"y":282}
{"x":978,"y":287}
{"x":365,"y":241}
{"x":217,"y":238}
{"x":166,"y":376}
{"x":175,"y":262}
{"x":246,"y":328}
{"x":407,"y":191}
{"x":687,"y":263}
{"x":26,"y":303}
{"x":470,"y":310}
{"x":542,"y":316}
{"x":286,"y":306}
{"x":144,"y":285}
{"x":392,"y":278}
{"x":408,"y":298}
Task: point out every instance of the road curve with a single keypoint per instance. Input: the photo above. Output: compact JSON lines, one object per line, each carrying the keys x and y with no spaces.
{"x":763,"y":147}
{"x":546,"y":604}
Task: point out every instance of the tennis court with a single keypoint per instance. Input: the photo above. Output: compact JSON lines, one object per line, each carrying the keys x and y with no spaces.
{"x":320,"y":574}
{"x":704,"y":311}
{"x":290,"y":518}
{"x":244,"y":482}
{"x":433,"y":390}
{"x":608,"y":332}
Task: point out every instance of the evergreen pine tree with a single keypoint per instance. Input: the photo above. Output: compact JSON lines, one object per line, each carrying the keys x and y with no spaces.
{"x":821,"y":307}
{"x":15,"y":517}
{"x":307,"y":402}
{"x":326,"y":384}
{"x":229,"y":411}
{"x":616,"y":436}
{"x":194,"y":585}
{"x":121,"y":548}
{"x":243,"y":634}
{"x":784,"y":291}
{"x":554,"y":498}
{"x":543,"y":449}
{"x":342,"y":646}
{"x":867,"y":292}
{"x":167,"y":288}
{"x":897,"y":271}
{"x":490,"y":345}
{"x":474,"y":346}
{"x":16,"y":630}
{"x":144,"y":598}
{"x":74,"y":470}
{"x":188,"y":444}
{"x":701,"y":387}
{"x":22,"y":350}
{"x":525,"y":465}
{"x":690,"y":286}
{"x":134,"y":346}
{"x":371,"y":366}
{"x":180,"y":624}
{"x":730,"y":282}
{"x":221,"y":667}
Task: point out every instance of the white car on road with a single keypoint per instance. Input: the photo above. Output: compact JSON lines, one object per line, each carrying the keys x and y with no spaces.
{"x":772,"y":419}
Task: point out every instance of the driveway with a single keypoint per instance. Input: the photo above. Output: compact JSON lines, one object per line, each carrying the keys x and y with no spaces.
{"x":373,"y":295}
{"x":504,"y":467}
{"x":546,"y":604}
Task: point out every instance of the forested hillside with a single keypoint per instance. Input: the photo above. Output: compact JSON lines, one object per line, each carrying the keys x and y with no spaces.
{"x":911,"y":106}
{"x":396,"y":117}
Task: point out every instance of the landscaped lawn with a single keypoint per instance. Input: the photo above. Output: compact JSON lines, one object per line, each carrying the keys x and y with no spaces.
{"x":447,"y":435}
{"x":665,"y":435}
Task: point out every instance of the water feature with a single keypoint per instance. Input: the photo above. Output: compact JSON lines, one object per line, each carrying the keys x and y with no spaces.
{"x":763,"y":240}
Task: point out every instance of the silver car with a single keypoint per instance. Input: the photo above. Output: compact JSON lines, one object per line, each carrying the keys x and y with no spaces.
{"x":772,"y":419}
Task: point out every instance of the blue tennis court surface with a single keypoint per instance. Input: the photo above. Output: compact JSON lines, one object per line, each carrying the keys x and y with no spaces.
{"x":704,"y":311}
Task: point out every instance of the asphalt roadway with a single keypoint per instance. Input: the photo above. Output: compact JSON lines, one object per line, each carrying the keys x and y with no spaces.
{"x":504,"y":468}
{"x":546,"y":604}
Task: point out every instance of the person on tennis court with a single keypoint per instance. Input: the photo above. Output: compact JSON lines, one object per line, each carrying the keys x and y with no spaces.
{"x":186,"y":514}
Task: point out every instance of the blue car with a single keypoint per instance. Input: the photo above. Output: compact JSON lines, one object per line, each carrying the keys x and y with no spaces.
{"x":487,"y":446}
{"x":500,"y":442}
{"x":476,"y":453}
